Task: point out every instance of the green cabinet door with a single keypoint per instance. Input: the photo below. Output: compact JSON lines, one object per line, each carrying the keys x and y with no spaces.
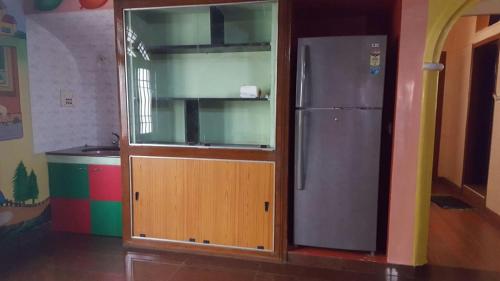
{"x":106,"y":218}
{"x":69,"y":181}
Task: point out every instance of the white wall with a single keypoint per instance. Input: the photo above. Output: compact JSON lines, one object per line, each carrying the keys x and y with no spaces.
{"x":72,"y":52}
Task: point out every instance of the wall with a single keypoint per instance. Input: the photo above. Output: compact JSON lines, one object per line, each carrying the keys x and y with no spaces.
{"x":73,"y":52}
{"x":441,"y":16}
{"x":493,"y":191}
{"x":403,"y":220}
{"x":15,"y":218}
{"x":458,"y":47}
{"x":21,"y":221}
{"x":458,"y":50}
{"x":64,"y":6}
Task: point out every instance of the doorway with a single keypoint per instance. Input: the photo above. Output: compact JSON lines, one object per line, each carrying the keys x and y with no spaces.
{"x":480,"y":118}
{"x":463,"y":231}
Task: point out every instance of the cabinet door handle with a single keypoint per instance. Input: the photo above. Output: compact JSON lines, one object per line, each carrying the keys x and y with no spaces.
{"x":136,"y":196}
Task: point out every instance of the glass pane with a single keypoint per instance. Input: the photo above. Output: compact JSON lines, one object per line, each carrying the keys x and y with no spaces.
{"x":202,"y":75}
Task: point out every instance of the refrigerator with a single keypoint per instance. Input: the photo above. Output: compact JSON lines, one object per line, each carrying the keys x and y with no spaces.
{"x":338,"y":124}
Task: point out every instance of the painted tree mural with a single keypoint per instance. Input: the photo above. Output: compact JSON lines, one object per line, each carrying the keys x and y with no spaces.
{"x":20,"y":182}
{"x":25,"y":186}
{"x":33,"y":187}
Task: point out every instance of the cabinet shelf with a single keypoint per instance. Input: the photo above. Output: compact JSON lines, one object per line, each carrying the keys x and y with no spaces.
{"x":192,"y":117}
{"x":160,"y":100}
{"x":216,"y":145}
{"x":210,"y":48}
{"x":165,"y":100}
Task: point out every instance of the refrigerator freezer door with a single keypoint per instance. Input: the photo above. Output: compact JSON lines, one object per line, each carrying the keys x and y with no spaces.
{"x":345,"y":71}
{"x":336,"y":197}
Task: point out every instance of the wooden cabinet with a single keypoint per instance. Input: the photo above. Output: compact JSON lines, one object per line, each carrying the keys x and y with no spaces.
{"x":68,"y":181}
{"x":216,"y":202}
{"x":181,"y":109}
{"x":86,"y":198}
{"x":105,"y":183}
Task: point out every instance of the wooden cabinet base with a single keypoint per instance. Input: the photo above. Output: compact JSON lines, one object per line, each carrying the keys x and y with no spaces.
{"x":158,"y":245}
{"x":222,"y":206}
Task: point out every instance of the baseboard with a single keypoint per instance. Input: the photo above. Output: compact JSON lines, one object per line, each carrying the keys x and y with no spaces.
{"x":473,"y":198}
{"x":448,"y":182}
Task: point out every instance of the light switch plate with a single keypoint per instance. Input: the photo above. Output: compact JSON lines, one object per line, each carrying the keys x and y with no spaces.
{"x":67,"y":99}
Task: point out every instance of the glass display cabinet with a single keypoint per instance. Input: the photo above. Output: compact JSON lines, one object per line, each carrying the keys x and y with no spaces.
{"x":202,"y":75}
{"x":205,"y":108}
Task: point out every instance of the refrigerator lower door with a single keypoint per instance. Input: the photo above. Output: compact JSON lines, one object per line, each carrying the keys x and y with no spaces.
{"x":336,"y":178}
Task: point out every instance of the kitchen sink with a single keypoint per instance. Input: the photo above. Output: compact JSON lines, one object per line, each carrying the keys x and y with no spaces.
{"x":93,"y":151}
{"x":101,"y":150}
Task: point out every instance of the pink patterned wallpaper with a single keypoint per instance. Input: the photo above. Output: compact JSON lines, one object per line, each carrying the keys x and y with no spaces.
{"x":72,"y":52}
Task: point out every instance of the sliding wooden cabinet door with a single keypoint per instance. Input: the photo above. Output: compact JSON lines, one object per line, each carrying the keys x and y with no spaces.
{"x":216,"y":202}
{"x":220,"y":204}
{"x":159,"y":198}
{"x":193,"y":196}
{"x":255,"y":205}
{"x":238,"y":206}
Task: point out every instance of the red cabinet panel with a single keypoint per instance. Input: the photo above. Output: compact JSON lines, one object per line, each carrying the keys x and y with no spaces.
{"x":71,"y":215}
{"x":105,"y":183}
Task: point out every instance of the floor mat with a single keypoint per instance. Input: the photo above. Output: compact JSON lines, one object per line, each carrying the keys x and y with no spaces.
{"x":450,"y":202}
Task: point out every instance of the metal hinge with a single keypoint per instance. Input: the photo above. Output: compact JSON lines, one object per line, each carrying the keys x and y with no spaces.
{"x":206,"y":242}
{"x":266,"y":206}
{"x":192,"y":240}
{"x":136,"y":196}
{"x":142,"y":235}
{"x":260,"y":247}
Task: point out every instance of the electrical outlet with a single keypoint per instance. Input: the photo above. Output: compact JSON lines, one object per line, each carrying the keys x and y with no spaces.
{"x":67,"y":99}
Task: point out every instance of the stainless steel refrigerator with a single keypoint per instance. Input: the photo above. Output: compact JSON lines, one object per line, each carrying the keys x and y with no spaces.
{"x":339,"y":97}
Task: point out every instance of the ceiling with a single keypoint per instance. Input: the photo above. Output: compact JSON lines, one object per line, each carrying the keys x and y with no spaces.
{"x":485,"y":7}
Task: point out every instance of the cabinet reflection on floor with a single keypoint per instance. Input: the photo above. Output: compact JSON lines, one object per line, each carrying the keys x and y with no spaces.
{"x":61,"y":256}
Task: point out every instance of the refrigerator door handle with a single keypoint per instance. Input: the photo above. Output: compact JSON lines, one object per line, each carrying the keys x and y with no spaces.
{"x":303,"y":75}
{"x":299,"y":147}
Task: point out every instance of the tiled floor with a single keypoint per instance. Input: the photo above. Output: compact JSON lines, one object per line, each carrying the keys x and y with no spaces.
{"x":79,"y":258}
{"x":463,"y":246}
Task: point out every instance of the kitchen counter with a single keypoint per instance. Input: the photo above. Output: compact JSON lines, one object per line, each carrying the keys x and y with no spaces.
{"x":86,"y":190}
{"x":91,"y":151}
{"x":100,"y":155}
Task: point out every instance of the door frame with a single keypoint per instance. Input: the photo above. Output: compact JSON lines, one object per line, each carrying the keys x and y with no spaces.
{"x":439,"y":117}
{"x":467,"y":126}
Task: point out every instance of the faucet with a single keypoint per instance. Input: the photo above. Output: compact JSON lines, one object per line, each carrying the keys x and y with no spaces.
{"x":116,"y":139}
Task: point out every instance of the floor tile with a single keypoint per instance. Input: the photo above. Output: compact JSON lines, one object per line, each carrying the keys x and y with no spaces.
{"x":191,"y":273}
{"x":235,"y":264}
{"x":153,"y":271}
{"x":80,"y":258}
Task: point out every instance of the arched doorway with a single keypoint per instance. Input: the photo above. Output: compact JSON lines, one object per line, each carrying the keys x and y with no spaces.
{"x":443,"y":14}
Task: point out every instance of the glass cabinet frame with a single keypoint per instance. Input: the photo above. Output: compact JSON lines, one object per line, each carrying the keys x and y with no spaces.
{"x":207,"y":108}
